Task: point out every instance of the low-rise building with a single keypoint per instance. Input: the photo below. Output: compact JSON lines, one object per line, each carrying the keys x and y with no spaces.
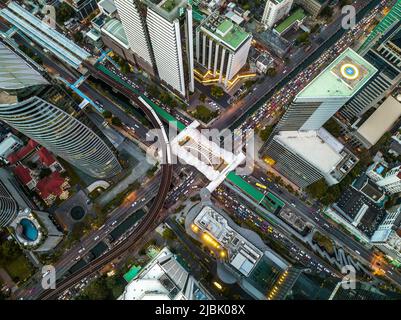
{"x":164,"y":278}
{"x":314,"y":7}
{"x":241,"y":254}
{"x":9,"y":145}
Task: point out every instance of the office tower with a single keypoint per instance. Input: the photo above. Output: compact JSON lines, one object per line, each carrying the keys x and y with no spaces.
{"x":275,"y":10}
{"x":46,"y":114}
{"x":160,"y":32}
{"x":134,"y":24}
{"x":327,"y":93}
{"x":308,"y":156}
{"x":164,"y":278}
{"x":386,"y":57}
{"x":168,"y":23}
{"x":222,"y":47}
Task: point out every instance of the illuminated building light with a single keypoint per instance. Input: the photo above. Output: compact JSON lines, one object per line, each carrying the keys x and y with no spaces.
{"x":210,"y":240}
{"x":194,"y":228}
{"x":218,"y":285}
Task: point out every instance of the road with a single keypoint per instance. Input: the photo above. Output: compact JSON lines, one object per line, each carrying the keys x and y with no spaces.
{"x":148,"y":222}
{"x":134,"y":203}
{"x":312,"y":215}
{"x":240,"y":111}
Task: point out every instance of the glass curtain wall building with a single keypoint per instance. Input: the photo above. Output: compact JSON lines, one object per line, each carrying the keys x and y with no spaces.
{"x":47,"y":114}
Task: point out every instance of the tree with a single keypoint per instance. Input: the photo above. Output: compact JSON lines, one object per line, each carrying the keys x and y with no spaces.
{"x":271,"y":72}
{"x":204,"y":114}
{"x":45,"y":172}
{"x":64,"y":12}
{"x":202,"y":97}
{"x":303,"y":38}
{"x":168,"y":234}
{"x":265,"y":133}
{"x":216,"y":91}
{"x":116,"y":122}
{"x":317,"y":189}
{"x":327,"y":12}
{"x":78,"y":37}
{"x":107,"y":114}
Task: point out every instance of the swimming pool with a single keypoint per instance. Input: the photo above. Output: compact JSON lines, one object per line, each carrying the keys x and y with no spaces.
{"x":29,"y":231}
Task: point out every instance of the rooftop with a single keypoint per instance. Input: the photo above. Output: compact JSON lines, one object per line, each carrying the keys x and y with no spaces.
{"x":15,"y":73}
{"x":108,"y":6}
{"x":323,"y":154}
{"x":297,"y":15}
{"x":225,"y":31}
{"x":380,"y":121}
{"x":115,"y":30}
{"x":163,"y":278}
{"x":342,"y":78}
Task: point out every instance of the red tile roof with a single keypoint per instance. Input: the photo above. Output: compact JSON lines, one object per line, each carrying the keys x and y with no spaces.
{"x":50,"y":185}
{"x":23,"y":152}
{"x":23,"y":173}
{"x":46,"y":157}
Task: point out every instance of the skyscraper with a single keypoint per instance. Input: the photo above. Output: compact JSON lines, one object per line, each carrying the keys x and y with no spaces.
{"x":386,"y":57}
{"x":299,"y":148}
{"x":134,"y":24}
{"x":160,"y":32}
{"x":46,"y":114}
{"x":12,"y":199}
{"x":222,"y":47}
{"x":327,"y":93}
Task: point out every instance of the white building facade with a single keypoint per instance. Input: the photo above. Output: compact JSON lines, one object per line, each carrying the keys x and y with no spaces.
{"x":275,"y":10}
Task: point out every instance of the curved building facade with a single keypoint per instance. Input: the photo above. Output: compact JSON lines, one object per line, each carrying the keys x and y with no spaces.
{"x":64,"y":135}
{"x":48,"y":115}
{"x":8,"y":210}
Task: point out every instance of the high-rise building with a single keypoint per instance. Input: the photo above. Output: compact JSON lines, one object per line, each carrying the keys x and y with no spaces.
{"x":46,"y":114}
{"x":307,"y":156}
{"x":275,"y":10}
{"x":164,"y":278}
{"x":327,"y":93}
{"x":134,"y":24}
{"x":160,"y":33}
{"x":12,"y":199}
{"x":221,"y":47}
{"x":387,"y":236}
{"x":386,"y":57}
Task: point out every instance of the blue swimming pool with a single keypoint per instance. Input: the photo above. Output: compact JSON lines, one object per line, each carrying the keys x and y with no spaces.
{"x":29,"y":230}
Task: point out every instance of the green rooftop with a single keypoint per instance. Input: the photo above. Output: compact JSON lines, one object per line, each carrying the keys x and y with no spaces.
{"x":131,"y":274}
{"x":342,"y":78}
{"x":230,"y":34}
{"x":298,"y":15}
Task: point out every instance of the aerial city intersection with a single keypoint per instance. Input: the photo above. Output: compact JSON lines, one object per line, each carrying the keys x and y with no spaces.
{"x":200,"y":150}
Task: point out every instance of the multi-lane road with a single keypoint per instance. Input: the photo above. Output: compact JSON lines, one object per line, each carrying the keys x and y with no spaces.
{"x":238,"y":112}
{"x":147,"y":223}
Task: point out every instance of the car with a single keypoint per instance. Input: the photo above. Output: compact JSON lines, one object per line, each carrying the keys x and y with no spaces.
{"x":96,"y":238}
{"x":81,"y":250}
{"x":357,"y":252}
{"x":114,"y":222}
